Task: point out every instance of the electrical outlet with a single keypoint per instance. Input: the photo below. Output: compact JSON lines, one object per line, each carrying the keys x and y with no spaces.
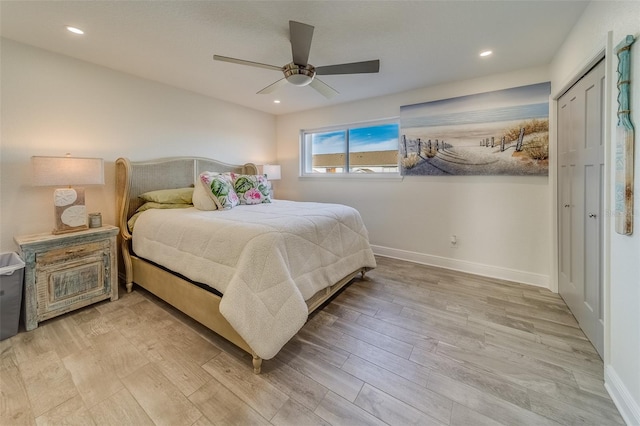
{"x":453,"y":241}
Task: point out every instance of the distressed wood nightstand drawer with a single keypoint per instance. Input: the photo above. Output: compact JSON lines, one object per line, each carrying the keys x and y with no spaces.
{"x":70,"y":281}
{"x":67,"y":254}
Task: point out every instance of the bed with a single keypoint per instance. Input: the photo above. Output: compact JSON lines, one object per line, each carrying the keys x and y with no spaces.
{"x":253,"y":273}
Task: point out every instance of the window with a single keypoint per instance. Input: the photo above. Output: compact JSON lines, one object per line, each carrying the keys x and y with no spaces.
{"x":365,"y":148}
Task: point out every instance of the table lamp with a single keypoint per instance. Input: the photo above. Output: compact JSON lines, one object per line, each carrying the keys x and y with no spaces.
{"x":69,"y":202}
{"x":272,"y":171}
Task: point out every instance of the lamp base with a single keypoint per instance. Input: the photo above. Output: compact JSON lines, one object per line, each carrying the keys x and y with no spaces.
{"x":70,"y":211}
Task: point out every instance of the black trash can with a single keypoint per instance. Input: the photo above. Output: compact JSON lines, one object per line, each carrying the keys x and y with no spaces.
{"x":11,"y":276}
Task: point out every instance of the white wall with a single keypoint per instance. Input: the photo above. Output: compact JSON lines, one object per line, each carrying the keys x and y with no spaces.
{"x":622,"y":277}
{"x":502,"y":222}
{"x":53,"y":104}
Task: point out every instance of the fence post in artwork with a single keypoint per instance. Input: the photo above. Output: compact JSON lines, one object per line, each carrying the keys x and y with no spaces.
{"x":429,"y":144}
{"x":502,"y":144}
{"x":492,"y":142}
{"x":520,"y":138}
{"x":419,"y":146}
{"x":404,"y":142}
{"x":437,"y":145}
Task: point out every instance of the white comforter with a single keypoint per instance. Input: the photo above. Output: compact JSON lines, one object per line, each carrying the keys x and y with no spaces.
{"x":266,"y":259}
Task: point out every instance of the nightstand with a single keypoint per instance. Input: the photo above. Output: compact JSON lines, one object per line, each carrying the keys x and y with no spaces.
{"x":67,"y":271}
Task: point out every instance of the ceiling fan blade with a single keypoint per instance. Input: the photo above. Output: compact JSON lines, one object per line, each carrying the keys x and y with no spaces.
{"x":273,"y":87}
{"x":323,"y":88}
{"x":352,"y":68}
{"x":300,"y":35}
{"x":243,"y":62}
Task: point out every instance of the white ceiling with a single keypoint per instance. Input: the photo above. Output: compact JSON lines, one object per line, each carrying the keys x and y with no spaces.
{"x":419,"y":43}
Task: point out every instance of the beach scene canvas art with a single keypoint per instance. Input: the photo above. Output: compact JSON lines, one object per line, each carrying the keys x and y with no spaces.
{"x":504,"y":132}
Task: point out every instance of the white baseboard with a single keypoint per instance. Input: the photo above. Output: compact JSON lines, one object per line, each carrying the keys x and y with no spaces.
{"x":523,"y":277}
{"x":629,"y":409}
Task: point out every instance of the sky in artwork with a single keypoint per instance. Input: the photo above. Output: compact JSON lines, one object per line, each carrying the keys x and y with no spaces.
{"x":515,"y":103}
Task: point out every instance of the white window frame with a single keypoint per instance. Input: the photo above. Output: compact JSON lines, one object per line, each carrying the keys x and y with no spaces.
{"x":305,"y":152}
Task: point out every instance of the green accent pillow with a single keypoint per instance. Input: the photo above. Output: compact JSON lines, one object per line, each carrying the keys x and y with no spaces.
{"x":169,"y":196}
{"x":153,"y":205}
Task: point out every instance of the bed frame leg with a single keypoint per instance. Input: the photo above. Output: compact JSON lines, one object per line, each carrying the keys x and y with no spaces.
{"x":128,"y":267}
{"x":257,"y":364}
{"x":362,"y":274}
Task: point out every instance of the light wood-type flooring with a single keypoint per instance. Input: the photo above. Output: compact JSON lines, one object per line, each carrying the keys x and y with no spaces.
{"x":411,"y":344}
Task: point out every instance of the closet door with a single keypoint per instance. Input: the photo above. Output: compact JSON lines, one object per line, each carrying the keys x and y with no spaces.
{"x":580,"y":193}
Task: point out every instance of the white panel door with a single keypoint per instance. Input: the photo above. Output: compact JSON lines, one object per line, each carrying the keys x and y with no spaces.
{"x":580,"y":193}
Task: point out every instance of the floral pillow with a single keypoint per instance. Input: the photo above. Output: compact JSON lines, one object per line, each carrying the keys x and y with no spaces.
{"x":251,"y":189}
{"x":220,"y":189}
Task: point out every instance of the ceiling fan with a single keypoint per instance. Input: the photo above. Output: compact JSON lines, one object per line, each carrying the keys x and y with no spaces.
{"x":300,"y":72}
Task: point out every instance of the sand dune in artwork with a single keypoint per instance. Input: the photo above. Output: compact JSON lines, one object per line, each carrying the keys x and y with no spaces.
{"x":470,"y":150}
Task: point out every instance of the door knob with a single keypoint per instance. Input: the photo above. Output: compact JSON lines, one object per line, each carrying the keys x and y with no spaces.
{"x":592,"y":215}
{"x":567,"y":205}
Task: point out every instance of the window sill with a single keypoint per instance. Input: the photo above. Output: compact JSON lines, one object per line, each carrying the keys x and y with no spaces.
{"x":353,"y":176}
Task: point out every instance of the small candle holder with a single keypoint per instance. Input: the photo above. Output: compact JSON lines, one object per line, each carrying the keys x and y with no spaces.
{"x":95,"y":220}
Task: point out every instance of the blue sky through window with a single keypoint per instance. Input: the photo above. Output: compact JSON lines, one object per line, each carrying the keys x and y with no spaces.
{"x":382,"y":137}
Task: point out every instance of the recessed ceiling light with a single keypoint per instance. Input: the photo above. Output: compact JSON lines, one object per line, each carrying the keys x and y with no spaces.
{"x":486,"y":53}
{"x":74,"y":30}
{"x":277,"y":101}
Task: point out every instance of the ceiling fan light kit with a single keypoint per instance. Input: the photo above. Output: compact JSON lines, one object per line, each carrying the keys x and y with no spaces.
{"x":300,"y":72}
{"x":299,"y":75}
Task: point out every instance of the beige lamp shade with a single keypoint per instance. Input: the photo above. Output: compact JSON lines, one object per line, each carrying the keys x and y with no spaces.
{"x":68,"y":203}
{"x":272,"y":171}
{"x":67,"y":171}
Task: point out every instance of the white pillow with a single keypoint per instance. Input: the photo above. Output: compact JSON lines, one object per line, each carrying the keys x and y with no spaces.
{"x":201,"y":197}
